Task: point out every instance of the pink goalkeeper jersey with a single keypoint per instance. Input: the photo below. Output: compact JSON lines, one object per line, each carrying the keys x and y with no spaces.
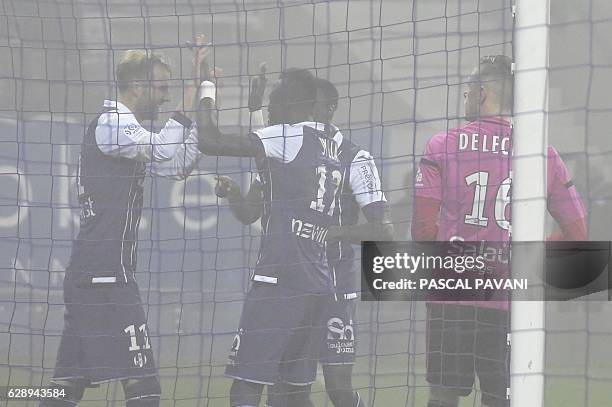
{"x":468,"y":170}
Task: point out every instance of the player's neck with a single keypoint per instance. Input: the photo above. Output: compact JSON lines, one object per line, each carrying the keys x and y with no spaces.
{"x":130,"y":104}
{"x":297,"y":117}
{"x":496,"y":117}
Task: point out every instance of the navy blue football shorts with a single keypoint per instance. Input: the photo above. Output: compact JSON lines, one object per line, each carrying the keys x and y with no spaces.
{"x":279,"y":336}
{"x":339,"y":342}
{"x":105,"y":334}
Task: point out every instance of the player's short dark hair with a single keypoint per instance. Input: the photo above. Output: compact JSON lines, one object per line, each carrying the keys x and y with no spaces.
{"x":331,"y":93}
{"x":297,"y":90}
{"x":495,"y":71}
{"x":137,"y":65}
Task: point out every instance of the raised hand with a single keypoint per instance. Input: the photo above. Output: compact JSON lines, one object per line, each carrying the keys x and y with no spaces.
{"x":199,"y":62}
{"x":258,"y":87}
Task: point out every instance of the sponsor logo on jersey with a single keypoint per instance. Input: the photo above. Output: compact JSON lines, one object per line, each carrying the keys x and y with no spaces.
{"x":131,"y":129}
{"x":87,"y":208}
{"x":419,"y":177}
{"x":308,"y":230}
{"x":368,"y":178}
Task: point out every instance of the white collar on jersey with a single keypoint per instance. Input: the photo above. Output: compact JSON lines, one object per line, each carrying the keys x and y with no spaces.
{"x":121,"y":108}
{"x":338,"y":137}
{"x":314,"y":125}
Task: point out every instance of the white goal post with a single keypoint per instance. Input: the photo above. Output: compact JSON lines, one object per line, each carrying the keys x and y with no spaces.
{"x":530,"y":140}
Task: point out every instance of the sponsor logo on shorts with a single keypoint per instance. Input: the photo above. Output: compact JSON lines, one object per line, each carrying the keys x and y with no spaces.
{"x":136,"y":333}
{"x":140,"y":359}
{"x":340,"y":336}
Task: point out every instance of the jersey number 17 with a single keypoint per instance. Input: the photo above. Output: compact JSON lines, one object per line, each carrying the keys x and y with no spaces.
{"x":327,"y":184}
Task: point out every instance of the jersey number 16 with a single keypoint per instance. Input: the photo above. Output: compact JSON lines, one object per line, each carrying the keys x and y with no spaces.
{"x":502,"y":199}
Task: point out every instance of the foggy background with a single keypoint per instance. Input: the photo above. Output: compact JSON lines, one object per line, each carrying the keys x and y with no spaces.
{"x":399,"y":66}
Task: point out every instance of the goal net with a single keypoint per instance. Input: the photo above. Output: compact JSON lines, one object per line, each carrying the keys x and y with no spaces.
{"x":400,"y":66}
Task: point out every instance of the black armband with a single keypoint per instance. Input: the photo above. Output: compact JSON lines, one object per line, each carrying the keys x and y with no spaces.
{"x":182,"y":119}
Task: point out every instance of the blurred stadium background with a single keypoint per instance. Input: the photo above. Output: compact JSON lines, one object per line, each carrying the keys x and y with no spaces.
{"x":399,"y":66}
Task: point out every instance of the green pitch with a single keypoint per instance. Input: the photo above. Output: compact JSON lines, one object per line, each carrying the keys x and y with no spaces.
{"x":207,"y":387}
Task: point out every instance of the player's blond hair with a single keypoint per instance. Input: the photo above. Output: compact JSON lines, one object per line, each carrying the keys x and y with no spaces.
{"x":137,"y":65}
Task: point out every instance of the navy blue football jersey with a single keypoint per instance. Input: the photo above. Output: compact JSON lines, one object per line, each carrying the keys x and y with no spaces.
{"x":301,"y":175}
{"x":110,"y":196}
{"x":361,"y":186}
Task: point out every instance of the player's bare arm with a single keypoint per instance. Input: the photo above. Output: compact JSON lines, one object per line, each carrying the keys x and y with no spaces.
{"x":366,"y":189}
{"x":214,"y":142}
{"x":564,"y":201}
{"x":201,"y":51}
{"x":574,"y":231}
{"x":187,"y":154}
{"x":378,"y":225}
{"x":425,"y":218}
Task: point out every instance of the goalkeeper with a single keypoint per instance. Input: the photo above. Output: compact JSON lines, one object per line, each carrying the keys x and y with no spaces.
{"x":462,"y":192}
